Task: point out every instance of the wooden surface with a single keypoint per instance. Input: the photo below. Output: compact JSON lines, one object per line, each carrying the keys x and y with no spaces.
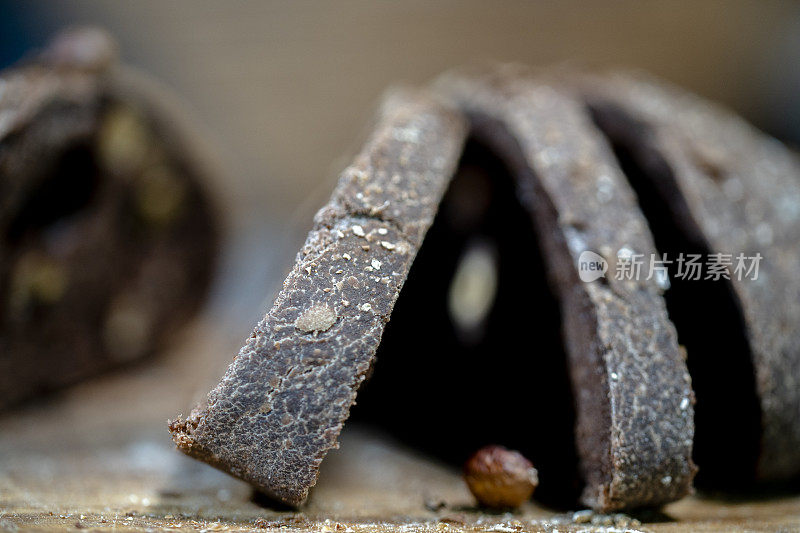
{"x":99,"y":457}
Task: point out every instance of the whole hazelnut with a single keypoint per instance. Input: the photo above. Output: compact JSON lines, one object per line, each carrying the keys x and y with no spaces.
{"x":500,"y":478}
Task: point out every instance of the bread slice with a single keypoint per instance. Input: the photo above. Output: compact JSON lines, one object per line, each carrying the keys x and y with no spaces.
{"x":631,"y":386}
{"x":729,"y":190}
{"x":281,"y":405}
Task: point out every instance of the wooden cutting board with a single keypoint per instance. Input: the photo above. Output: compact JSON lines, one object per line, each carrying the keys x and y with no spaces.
{"x":99,"y":457}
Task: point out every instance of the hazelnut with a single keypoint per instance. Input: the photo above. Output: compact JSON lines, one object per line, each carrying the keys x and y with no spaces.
{"x":500,"y":478}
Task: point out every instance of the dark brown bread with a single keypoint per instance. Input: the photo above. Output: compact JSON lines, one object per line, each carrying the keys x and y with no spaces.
{"x":107,"y":239}
{"x":281,"y":405}
{"x":283,"y":401}
{"x":632,"y":388}
{"x":730,"y":190}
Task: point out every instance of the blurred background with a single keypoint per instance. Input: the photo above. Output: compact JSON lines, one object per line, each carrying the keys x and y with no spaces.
{"x":286,"y":90}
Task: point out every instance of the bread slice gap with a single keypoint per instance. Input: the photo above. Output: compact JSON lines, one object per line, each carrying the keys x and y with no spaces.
{"x":473,"y":354}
